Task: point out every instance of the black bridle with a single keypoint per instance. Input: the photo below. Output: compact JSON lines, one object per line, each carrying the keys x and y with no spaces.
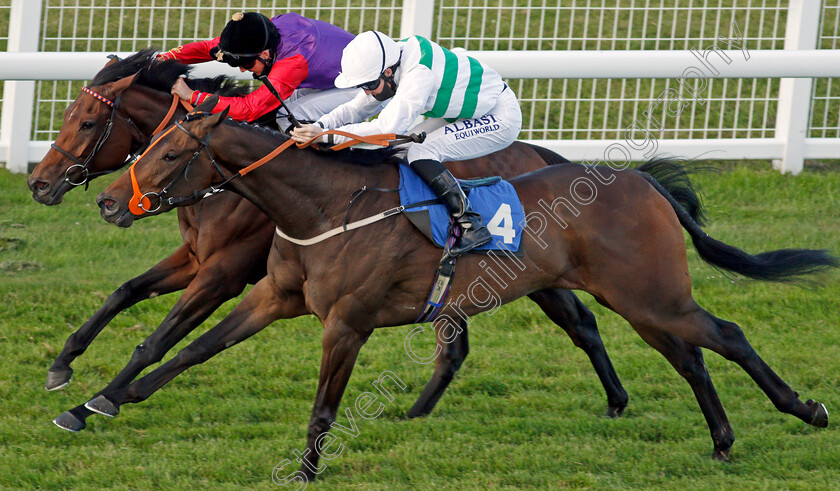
{"x":203,"y":144}
{"x":86,"y":176}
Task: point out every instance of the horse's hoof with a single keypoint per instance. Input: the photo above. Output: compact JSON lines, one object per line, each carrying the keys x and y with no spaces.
{"x":614,"y":412}
{"x":819,"y":413}
{"x":66,"y":421}
{"x":103,"y":406}
{"x":417,"y":413}
{"x":58,"y":379}
{"x":721,"y":454}
{"x":307,"y":474}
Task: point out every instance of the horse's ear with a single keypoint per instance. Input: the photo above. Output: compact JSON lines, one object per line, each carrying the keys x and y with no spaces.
{"x":120,"y":85}
{"x":222,"y":116}
{"x":111,"y":60}
{"x":210,"y":122}
{"x":208,"y":104}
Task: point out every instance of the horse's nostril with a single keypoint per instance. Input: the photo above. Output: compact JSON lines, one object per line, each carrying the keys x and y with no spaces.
{"x":108,"y":206}
{"x":39,"y":186}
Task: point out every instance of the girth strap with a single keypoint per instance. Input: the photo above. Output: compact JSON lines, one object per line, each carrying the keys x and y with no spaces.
{"x":344,"y":228}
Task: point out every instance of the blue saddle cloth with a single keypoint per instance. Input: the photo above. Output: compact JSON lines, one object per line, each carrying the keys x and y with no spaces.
{"x":493,"y":198}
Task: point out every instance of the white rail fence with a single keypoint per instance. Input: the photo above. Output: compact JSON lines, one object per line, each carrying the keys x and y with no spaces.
{"x":752,"y":79}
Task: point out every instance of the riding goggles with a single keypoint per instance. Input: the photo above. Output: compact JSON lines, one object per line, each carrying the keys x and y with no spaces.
{"x":372,"y":85}
{"x":244,"y":60}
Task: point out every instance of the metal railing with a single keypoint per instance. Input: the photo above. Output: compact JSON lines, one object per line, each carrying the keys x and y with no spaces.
{"x":588,"y":73}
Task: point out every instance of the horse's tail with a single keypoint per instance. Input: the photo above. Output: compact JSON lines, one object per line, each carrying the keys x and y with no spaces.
{"x":783,"y":265}
{"x":675,"y":177}
{"x":670,"y":173}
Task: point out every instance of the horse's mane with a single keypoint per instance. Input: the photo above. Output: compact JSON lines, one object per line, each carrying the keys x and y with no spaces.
{"x":125,"y":67}
{"x":221,"y":84}
{"x":351,"y":156}
{"x":160,"y":75}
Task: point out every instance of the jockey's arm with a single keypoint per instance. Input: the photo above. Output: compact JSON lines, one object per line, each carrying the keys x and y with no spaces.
{"x":358,"y":108}
{"x":197,"y":52}
{"x":408,"y":103}
{"x":285,"y":75}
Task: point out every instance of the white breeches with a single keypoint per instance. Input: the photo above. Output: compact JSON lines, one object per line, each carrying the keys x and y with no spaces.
{"x":470,"y":137}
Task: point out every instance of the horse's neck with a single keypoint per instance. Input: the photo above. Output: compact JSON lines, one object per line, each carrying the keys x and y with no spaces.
{"x":303,"y":191}
{"x":147,"y":108}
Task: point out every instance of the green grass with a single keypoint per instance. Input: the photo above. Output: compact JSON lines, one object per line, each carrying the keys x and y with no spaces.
{"x":524,"y":412}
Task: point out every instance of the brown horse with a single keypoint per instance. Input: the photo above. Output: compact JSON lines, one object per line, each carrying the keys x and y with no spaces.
{"x":621,"y":242}
{"x":217,"y":261}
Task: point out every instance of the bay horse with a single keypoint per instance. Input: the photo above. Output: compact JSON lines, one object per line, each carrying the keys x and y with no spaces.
{"x":625,"y":246}
{"x":216,"y":262}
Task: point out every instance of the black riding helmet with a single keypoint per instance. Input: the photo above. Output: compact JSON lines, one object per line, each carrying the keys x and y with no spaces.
{"x":244,"y":38}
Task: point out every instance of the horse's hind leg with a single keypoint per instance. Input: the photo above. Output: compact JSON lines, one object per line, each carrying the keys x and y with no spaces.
{"x":447,"y":363}
{"x":727,"y":339}
{"x":567,"y":311}
{"x":698,"y":328}
{"x":688,"y":361}
{"x":172,"y":274}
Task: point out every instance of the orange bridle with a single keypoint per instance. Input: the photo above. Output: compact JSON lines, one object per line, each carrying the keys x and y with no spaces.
{"x":140,"y":202}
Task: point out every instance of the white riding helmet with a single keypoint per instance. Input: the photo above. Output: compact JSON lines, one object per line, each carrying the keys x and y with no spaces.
{"x":365,"y":58}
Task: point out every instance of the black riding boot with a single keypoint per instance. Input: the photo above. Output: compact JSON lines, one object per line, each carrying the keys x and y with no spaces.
{"x":444,"y":185}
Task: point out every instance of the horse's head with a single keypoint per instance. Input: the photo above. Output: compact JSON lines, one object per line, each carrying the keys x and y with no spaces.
{"x":112,"y":117}
{"x":177,"y":163}
{"x":95,"y":135}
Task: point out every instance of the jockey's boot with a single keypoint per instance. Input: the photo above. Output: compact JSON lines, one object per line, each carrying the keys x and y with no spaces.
{"x":473,"y":232}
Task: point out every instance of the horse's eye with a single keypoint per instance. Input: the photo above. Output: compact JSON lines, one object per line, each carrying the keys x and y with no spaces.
{"x":170,"y":156}
{"x":88,"y":125}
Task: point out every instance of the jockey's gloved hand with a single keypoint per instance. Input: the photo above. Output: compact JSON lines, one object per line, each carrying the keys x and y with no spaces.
{"x":307,"y":132}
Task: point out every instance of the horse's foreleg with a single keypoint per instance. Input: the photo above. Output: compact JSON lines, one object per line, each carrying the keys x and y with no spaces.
{"x":172,"y":274}
{"x":688,"y":361}
{"x":567,"y":311}
{"x":452,"y":355}
{"x":260,"y":307}
{"x":341,"y":345}
{"x":221,"y":277}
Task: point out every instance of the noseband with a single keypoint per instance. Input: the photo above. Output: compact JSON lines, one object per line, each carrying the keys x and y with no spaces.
{"x":141,"y":203}
{"x":103,"y":137}
{"x":86,"y":176}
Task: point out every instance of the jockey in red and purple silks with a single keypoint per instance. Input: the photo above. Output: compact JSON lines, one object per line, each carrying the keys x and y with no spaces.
{"x":300,"y":57}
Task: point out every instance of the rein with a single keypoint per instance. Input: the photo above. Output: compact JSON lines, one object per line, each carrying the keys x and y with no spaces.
{"x":86,"y":176}
{"x":141,"y":203}
{"x":172,"y":108}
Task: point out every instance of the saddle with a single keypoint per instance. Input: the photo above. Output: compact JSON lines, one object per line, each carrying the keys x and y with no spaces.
{"x":492,"y":197}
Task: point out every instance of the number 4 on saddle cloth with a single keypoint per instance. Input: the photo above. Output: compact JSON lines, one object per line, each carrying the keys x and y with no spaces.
{"x":493,"y":198}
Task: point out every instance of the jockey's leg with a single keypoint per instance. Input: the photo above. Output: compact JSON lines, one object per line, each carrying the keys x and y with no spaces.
{"x":464,"y":139}
{"x":473,"y":232}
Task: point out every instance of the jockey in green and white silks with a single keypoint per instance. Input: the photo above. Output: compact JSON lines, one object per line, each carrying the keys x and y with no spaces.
{"x":472,"y":112}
